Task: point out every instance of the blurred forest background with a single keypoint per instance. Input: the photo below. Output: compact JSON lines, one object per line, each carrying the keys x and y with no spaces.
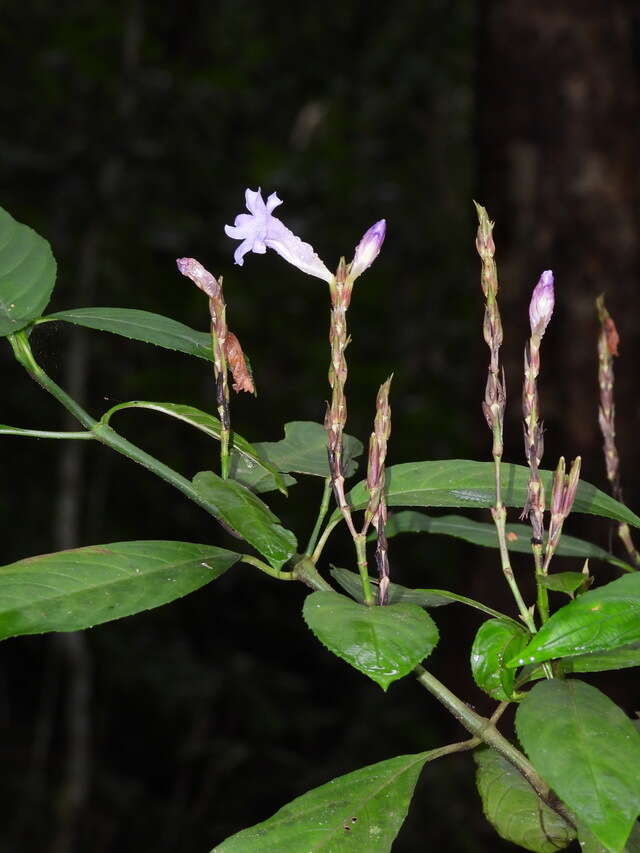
{"x":130,"y":131}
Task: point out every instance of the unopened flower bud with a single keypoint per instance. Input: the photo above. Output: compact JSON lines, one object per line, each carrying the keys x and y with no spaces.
{"x":542,"y":302}
{"x":368,"y":249}
{"x":201,"y":277}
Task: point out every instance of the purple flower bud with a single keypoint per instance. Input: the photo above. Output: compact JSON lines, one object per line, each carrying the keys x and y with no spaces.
{"x":368,"y":249}
{"x":542,"y":302}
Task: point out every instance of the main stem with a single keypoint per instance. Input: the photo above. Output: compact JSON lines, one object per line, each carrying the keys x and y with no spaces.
{"x":484,"y":729}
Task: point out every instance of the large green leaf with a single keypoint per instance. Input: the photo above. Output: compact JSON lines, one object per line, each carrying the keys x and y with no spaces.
{"x":385,"y":643}
{"x":496,"y":642}
{"x":211,"y":426}
{"x":83,"y":587}
{"x":361,"y":812}
{"x":461,"y":482}
{"x":621,"y":658}
{"x":303,"y":450}
{"x":599,"y":620}
{"x":27,"y":274}
{"x":590,"y":844}
{"x":514,"y":809}
{"x":350,"y":581}
{"x":588,"y":750}
{"x":483,"y":533}
{"x":246,"y":514}
{"x":140,"y":326}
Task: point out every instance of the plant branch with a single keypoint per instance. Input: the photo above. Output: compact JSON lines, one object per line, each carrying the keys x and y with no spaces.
{"x":485,"y":730}
{"x":322,"y":511}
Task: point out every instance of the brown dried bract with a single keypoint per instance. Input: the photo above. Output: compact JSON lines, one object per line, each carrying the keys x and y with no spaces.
{"x":611,"y":333}
{"x":242,"y":378}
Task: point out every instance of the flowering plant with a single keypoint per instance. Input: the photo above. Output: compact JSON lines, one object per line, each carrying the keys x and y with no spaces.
{"x":574,"y":775}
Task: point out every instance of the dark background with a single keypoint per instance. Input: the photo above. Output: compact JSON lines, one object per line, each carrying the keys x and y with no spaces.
{"x":129,"y":131}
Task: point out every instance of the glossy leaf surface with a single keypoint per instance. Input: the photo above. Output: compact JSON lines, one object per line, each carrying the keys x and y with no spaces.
{"x":27,"y":274}
{"x":211,"y":426}
{"x":484,"y":534}
{"x":588,"y":750}
{"x":461,"y":482}
{"x":140,"y":326}
{"x":590,"y":844}
{"x":598,"y":620}
{"x":245,"y":513}
{"x":362,"y":811}
{"x":567,"y":582}
{"x":385,"y":643}
{"x":303,"y":450}
{"x":350,"y":581}
{"x":83,"y":587}
{"x":514,"y":809}
{"x":621,"y":658}
{"x":496,"y":642}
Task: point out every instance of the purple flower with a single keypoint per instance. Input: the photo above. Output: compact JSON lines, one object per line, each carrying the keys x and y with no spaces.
{"x":542,"y":302}
{"x":368,"y":249}
{"x":259,"y":230}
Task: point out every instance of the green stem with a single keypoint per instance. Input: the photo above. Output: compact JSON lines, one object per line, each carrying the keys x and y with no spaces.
{"x":323,"y":538}
{"x":541,"y":571}
{"x":484,"y":729}
{"x":42,"y":433}
{"x":100,"y":431}
{"x":360,"y":541}
{"x":324,"y":506}
{"x":267,"y":569}
{"x":305,"y":571}
{"x":499,"y":514}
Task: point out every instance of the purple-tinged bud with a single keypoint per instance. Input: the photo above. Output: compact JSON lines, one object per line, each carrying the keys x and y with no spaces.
{"x":542,"y":302}
{"x":201,"y":277}
{"x":368,"y":249}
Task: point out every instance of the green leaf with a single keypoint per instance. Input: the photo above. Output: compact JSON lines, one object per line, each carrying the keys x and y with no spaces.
{"x":602,"y":619}
{"x":351,"y":582}
{"x":211,"y":426}
{"x":27,"y":274}
{"x":140,"y":326}
{"x":484,"y":534}
{"x":567,"y":582}
{"x":362,"y":811}
{"x":514,"y":809}
{"x":621,"y":658}
{"x":83,"y":587}
{"x":246,"y":514}
{"x":588,"y":750}
{"x":496,"y":642}
{"x":303,"y":450}
{"x":590,"y":844}
{"x":461,"y":482}
{"x":385,"y":643}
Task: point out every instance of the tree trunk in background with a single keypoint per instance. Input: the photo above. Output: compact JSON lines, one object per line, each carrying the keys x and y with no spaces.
{"x":559,"y":171}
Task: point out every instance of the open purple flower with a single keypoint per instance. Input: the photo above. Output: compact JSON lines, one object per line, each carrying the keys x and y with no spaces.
{"x":259,"y":230}
{"x":541,"y":305}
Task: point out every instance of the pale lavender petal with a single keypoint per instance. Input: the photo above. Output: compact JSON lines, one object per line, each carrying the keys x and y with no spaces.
{"x":295,"y":251}
{"x":272,"y":202}
{"x":254,"y":201}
